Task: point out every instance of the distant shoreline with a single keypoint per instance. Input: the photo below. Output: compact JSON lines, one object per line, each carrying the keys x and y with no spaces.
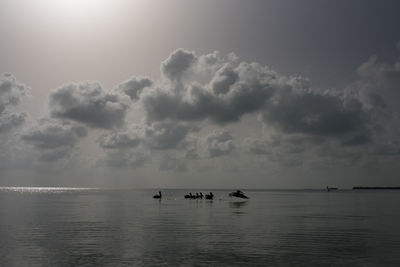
{"x":376,"y":188}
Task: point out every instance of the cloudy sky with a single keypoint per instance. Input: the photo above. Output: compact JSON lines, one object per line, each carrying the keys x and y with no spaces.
{"x":206,"y":94}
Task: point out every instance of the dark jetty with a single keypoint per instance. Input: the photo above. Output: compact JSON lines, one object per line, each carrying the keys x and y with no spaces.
{"x":376,"y":188}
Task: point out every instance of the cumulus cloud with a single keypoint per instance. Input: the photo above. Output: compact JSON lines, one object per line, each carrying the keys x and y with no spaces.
{"x":134,"y":86}
{"x":167,"y":135}
{"x":53,"y":139}
{"x":220,"y":143}
{"x":52,"y":134}
{"x":288,"y":104}
{"x":88,"y":103}
{"x":226,"y":96}
{"x":122,"y":139}
{"x":10,"y":121}
{"x":178,"y":62}
{"x":378,"y":83}
{"x":223,"y":79}
{"x":315,"y":114}
{"x":382,"y":74}
{"x":11,"y":92}
{"x":156,"y":136}
{"x":213,"y":89}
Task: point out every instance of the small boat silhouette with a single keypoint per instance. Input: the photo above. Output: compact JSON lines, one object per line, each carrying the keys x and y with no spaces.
{"x":238,"y":193}
{"x":331,"y":188}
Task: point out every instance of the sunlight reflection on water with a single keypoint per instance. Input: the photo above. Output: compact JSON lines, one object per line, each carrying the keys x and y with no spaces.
{"x":26,"y":189}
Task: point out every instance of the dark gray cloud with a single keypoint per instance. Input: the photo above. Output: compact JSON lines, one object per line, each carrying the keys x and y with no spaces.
{"x":134,"y":86}
{"x":220,"y":143}
{"x":54,"y":155}
{"x":48,"y":134}
{"x":223,"y":79}
{"x":177,"y":63}
{"x":299,"y":118}
{"x":156,"y":136}
{"x":191,"y":153}
{"x":10,"y":121}
{"x":225,"y":97}
{"x":122,"y":139}
{"x":290,"y":104}
{"x":388,"y":149}
{"x":322,"y":115}
{"x":11,"y":92}
{"x":167,"y":135}
{"x":256,"y":146}
{"x":88,"y":103}
{"x":357,"y":140}
{"x":53,"y":138}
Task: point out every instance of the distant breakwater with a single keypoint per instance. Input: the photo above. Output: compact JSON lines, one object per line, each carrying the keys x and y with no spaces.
{"x":376,"y":187}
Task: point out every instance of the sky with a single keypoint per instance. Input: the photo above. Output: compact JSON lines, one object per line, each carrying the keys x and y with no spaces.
{"x":199,"y":94}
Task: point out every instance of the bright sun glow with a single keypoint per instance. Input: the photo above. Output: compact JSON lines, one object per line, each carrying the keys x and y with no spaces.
{"x":78,"y":5}
{"x":76,"y":8}
{"x":75,"y":15}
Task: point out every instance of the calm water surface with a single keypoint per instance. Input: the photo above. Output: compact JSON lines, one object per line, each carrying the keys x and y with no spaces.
{"x":92,"y":227}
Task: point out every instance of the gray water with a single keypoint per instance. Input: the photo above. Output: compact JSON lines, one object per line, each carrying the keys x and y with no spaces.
{"x":92,"y":227}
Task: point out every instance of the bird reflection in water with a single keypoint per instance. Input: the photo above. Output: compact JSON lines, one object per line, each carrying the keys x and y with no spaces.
{"x":237,"y":206}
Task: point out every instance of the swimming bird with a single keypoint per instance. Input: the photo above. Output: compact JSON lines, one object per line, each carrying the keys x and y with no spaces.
{"x":190,"y":196}
{"x":210,"y":196}
{"x":158,"y":196}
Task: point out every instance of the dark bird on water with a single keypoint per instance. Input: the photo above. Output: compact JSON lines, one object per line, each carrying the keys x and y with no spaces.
{"x":210,"y":196}
{"x":158,"y":196}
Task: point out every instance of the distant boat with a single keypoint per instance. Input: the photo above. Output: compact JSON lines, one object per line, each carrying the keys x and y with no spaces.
{"x":238,"y":194}
{"x":331,"y":188}
{"x":158,"y":196}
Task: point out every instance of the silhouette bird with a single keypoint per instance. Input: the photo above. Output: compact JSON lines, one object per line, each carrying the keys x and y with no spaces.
{"x":210,"y":196}
{"x":158,"y":196}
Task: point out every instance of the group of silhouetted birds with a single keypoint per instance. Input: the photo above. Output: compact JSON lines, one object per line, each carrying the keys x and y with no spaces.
{"x":200,"y":195}
{"x":190,"y":195}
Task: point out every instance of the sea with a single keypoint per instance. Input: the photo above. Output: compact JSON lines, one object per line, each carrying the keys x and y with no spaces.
{"x":44,"y":226}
